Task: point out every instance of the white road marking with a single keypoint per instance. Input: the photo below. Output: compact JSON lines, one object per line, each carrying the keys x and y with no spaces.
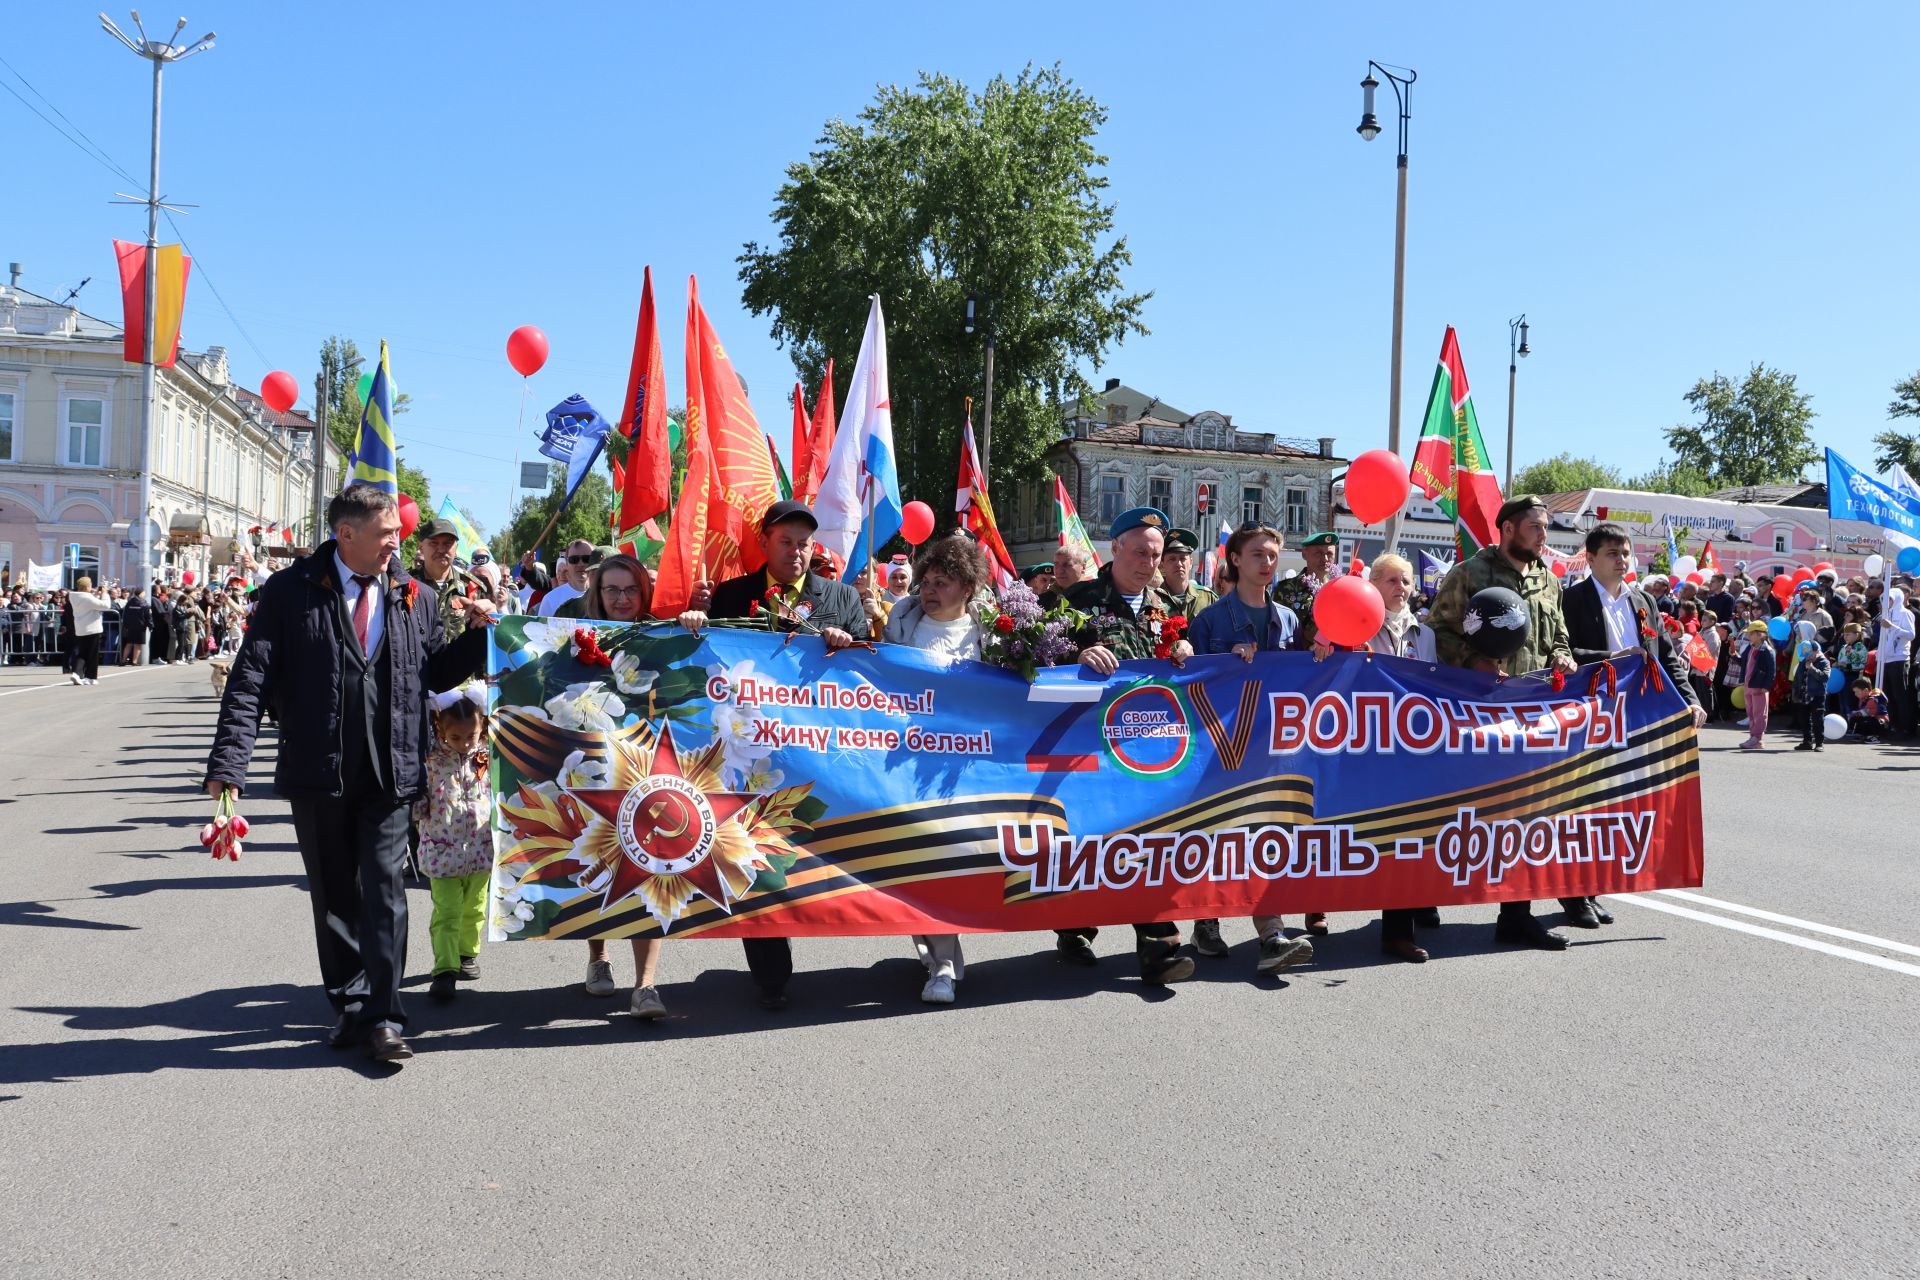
{"x":1760,"y":931}
{"x":1883,"y":944}
{"x":68,"y":684}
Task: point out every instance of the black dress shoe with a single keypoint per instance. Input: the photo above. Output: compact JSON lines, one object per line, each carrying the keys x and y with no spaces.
{"x":385,"y":1045}
{"x":1427,"y":917}
{"x":1600,"y":911}
{"x":443,"y":988}
{"x":773,"y":999}
{"x":1529,"y":932}
{"x":1075,"y":949}
{"x":347,"y":1032}
{"x":1581,"y":915}
{"x":1404,"y":949}
{"x":469,"y":968}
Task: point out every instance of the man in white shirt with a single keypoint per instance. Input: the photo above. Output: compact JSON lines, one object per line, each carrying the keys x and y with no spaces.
{"x":572,"y":575}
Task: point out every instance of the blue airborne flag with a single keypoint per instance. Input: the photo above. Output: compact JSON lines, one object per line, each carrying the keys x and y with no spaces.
{"x":1852,"y":494}
{"x":575,"y":435}
{"x":375,"y":460}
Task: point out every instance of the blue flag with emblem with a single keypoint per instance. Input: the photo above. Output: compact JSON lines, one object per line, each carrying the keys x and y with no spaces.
{"x":376,"y":458}
{"x":1852,"y":494}
{"x":575,"y":435}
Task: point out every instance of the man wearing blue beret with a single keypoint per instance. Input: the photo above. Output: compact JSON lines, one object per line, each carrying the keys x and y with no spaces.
{"x":1126,"y":615}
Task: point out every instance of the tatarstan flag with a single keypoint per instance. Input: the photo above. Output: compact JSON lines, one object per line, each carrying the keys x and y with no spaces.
{"x":1450,"y":462}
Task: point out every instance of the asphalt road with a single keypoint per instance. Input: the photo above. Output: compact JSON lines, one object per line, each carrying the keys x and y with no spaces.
{"x":1676,"y":1096}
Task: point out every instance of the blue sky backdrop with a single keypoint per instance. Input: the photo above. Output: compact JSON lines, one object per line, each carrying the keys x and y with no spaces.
{"x":1666,"y":191}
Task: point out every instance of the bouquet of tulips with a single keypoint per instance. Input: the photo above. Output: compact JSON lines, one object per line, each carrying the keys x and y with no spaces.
{"x":224,"y":833}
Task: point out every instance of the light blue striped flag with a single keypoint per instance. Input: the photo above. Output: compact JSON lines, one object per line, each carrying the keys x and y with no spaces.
{"x":375,"y":460}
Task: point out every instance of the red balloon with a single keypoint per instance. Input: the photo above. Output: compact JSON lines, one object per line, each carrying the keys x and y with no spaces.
{"x":409,"y":516}
{"x":1348,"y":611}
{"x":1782,"y":586}
{"x":916,"y":522}
{"x":526,"y":350}
{"x":1376,"y":486}
{"x":1559,"y":568}
{"x":1695,"y":579}
{"x":1825,"y":566}
{"x":1632,"y":576}
{"x":1802,"y":574}
{"x":279,"y":390}
{"x":186,"y":578}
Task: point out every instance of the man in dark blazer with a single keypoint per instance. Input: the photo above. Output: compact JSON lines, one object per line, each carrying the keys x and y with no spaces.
{"x":795,"y":600}
{"x":343,"y":646}
{"x":1607,"y":615}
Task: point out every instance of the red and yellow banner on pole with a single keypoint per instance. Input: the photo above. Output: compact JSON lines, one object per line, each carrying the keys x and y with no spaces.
{"x":169,"y":300}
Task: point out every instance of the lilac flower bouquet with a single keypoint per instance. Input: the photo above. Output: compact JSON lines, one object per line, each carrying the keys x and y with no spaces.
{"x":1021,"y":636}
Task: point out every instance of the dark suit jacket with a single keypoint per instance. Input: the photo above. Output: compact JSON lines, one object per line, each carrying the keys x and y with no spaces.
{"x":294,"y":660}
{"x":1587,"y":633}
{"x":823,"y":601}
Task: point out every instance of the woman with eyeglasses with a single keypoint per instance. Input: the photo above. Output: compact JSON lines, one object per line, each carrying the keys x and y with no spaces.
{"x":1245,"y":621}
{"x":620,"y":590}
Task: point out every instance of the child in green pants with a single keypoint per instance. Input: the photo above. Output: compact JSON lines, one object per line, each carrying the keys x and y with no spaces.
{"x":455,"y":818}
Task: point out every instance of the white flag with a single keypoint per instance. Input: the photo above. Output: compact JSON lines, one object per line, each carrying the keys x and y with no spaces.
{"x":861,"y":469}
{"x":43,"y":577}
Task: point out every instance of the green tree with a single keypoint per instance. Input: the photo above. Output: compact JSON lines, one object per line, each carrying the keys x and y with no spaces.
{"x":1906,"y":398}
{"x":1759,"y":432}
{"x":1671,"y":477}
{"x":586,"y":517}
{"x":1897,"y":449}
{"x":933,"y":194}
{"x":343,"y":424}
{"x":1564,"y":473}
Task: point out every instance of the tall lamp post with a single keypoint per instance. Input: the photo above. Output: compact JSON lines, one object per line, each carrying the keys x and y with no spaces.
{"x":159,"y":53}
{"x":979,"y":319}
{"x":1369,"y":129}
{"x":323,"y":401}
{"x":1516,"y":348}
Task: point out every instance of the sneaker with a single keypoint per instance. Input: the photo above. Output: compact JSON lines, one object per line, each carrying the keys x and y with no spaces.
{"x":73,"y":678}
{"x":1075,"y":949}
{"x":939,"y":990}
{"x":599,"y":978}
{"x":1278,"y":951}
{"x":469,"y":968}
{"x":442,"y":988}
{"x":1206,"y":938}
{"x":1161,"y":962}
{"x":1804,"y":746}
{"x":647,"y":1004}
{"x":1751,"y":746}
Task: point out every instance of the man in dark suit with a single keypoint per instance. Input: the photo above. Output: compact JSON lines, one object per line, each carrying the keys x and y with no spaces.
{"x":1607,"y":615}
{"x":794,"y":600}
{"x":343,"y":646}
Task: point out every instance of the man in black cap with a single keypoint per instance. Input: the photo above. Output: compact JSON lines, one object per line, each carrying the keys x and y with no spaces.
{"x":435,"y":568}
{"x":1125,"y":615}
{"x":1176,"y":574}
{"x":1319,"y":550}
{"x":1516,"y":564}
{"x":798,"y":600}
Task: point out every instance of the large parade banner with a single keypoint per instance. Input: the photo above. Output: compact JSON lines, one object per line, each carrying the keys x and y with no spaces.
{"x":736,"y":783}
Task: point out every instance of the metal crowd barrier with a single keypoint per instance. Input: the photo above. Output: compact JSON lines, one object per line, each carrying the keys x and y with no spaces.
{"x":31,"y":637}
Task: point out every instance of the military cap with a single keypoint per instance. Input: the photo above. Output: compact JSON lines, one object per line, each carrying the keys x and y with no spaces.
{"x":1182,"y":540}
{"x":1325,"y":538}
{"x":1139,"y":518}
{"x":1033,"y":571}
{"x":434,"y":527}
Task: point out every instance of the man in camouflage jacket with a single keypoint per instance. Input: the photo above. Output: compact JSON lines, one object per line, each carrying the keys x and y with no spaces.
{"x":1319,"y":550}
{"x":435,"y":569}
{"x":1176,"y":575}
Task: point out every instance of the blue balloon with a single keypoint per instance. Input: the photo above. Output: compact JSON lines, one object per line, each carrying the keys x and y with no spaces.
{"x":1908,"y":561}
{"x":1779,"y":628}
{"x":1837,"y":681}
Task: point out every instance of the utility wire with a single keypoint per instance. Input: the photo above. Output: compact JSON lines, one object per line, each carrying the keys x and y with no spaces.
{"x":103,"y":156}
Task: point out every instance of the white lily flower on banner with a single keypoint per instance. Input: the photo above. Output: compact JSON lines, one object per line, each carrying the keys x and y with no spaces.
{"x":630,"y":678}
{"x":576,"y":771}
{"x":588,"y":706}
{"x":545,"y":635}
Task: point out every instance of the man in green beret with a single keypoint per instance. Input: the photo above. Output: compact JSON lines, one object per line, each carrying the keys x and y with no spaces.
{"x":435,"y":568}
{"x":1176,"y":574}
{"x":1126,"y":619}
{"x":1319,"y":550}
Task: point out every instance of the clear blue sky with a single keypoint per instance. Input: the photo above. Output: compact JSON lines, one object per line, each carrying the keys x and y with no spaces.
{"x":1666,"y":190}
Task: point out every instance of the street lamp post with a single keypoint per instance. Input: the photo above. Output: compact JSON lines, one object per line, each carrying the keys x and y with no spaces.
{"x":159,"y":53}
{"x":323,"y":399}
{"x":1369,"y":129}
{"x":1516,"y":348}
{"x":980,"y":319}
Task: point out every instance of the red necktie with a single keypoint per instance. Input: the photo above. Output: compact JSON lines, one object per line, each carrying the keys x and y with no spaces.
{"x":362,"y":610}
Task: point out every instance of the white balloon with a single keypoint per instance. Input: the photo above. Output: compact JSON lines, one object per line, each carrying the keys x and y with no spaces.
{"x":1684,"y":566}
{"x":1836,"y":727}
{"x":1876,"y":565}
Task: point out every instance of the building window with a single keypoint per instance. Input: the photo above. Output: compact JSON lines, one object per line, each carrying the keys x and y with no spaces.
{"x":86,"y":431}
{"x":1113,"y":497}
{"x":1206,"y":502}
{"x":9,"y":414}
{"x":87,"y":566}
{"x":1782,"y":543}
{"x":1296,"y":510}
{"x":1250,"y":504}
{"x":1160,"y":494}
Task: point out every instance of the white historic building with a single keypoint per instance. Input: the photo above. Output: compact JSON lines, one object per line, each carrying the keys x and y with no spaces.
{"x":1199,"y":468}
{"x":70,"y":457}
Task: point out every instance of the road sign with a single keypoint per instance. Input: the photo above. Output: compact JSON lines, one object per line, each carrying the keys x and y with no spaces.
{"x":73,"y":553}
{"x":129,"y":546}
{"x":533,"y":475}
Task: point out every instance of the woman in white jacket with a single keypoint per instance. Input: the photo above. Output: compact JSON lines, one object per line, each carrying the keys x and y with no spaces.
{"x":1896,"y":644}
{"x":87,"y":627}
{"x":936,"y":617}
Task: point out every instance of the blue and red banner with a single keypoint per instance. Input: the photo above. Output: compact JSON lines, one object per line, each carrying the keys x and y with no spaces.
{"x":734,"y":784}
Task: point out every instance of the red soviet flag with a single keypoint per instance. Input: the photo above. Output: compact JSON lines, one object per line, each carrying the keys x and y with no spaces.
{"x":687,"y":558}
{"x":645,"y":479}
{"x":802,"y":443}
{"x":820,"y":446}
{"x":744,"y":482}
